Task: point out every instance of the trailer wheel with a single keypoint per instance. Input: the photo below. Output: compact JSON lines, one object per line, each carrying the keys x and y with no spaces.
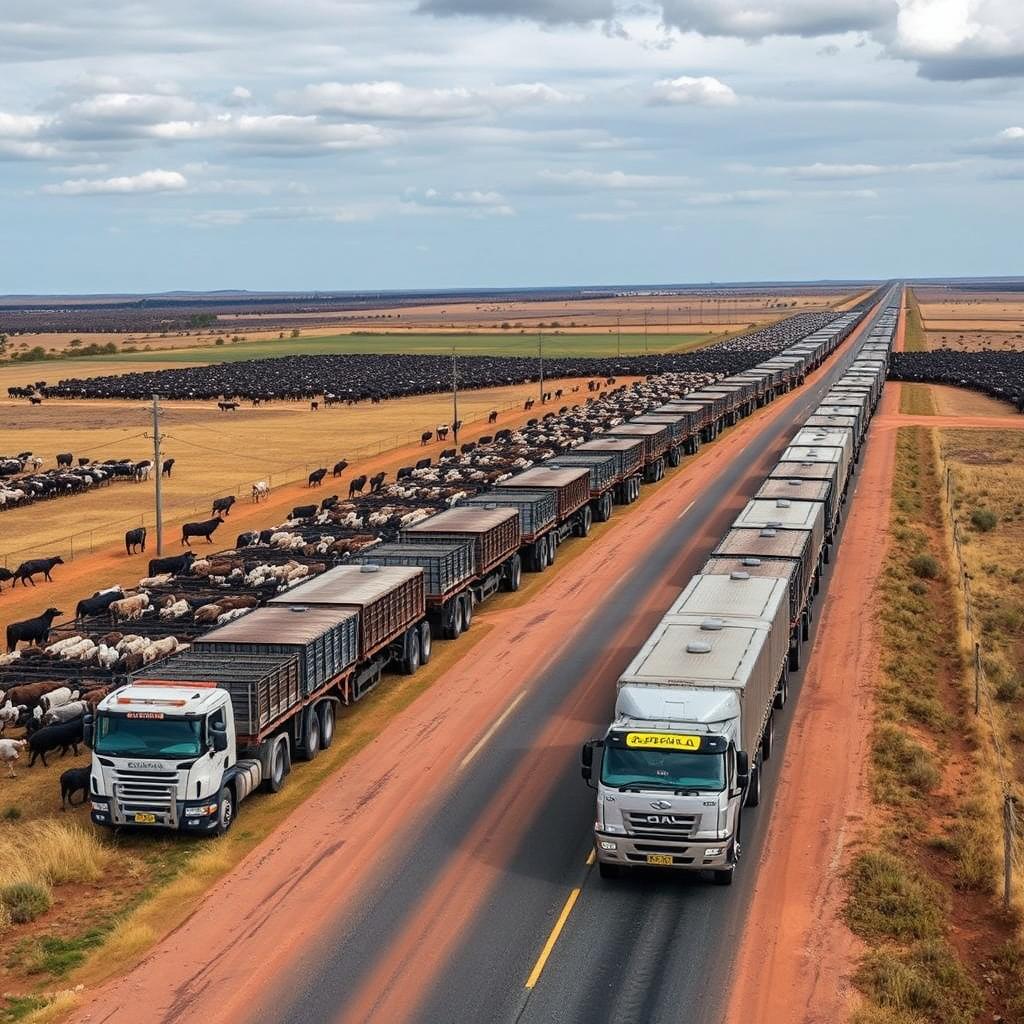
{"x":426,"y":643}
{"x":674,"y":457}
{"x":311,"y":738}
{"x":636,"y":487}
{"x":467,"y":613}
{"x":805,"y":626}
{"x":754,"y":788}
{"x":454,"y":631}
{"x":552,"y":547}
{"x":586,"y":521}
{"x":768,"y":739}
{"x":278,"y":767}
{"x":794,"y":656}
{"x":225,"y":810}
{"x":514,"y":576}
{"x":540,"y":554}
{"x":608,"y":870}
{"x":782,"y":694}
{"x":411,"y":661}
{"x":325,"y":712}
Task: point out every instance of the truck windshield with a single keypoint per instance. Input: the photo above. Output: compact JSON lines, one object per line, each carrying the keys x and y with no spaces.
{"x":662,"y":769}
{"x":120,"y":736}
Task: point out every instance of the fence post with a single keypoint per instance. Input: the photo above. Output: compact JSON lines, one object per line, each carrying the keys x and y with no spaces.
{"x":977,"y":678}
{"x":1008,"y":835}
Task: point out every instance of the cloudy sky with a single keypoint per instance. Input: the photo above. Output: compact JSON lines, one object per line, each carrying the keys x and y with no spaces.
{"x":147,"y":145}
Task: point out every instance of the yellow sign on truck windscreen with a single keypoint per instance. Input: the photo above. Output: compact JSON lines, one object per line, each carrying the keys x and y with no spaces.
{"x":662,"y":741}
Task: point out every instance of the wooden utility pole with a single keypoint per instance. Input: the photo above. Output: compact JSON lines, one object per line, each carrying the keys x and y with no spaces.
{"x":645,"y":332}
{"x":618,"y":328}
{"x":540,"y":356}
{"x":455,"y":397}
{"x":158,"y":470}
{"x":1009,"y":830}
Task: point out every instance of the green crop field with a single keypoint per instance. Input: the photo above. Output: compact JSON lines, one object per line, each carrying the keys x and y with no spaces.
{"x":429,"y":344}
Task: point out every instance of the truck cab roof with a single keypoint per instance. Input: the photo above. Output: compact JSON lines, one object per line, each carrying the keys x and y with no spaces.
{"x":708,"y":709}
{"x":155,"y":696}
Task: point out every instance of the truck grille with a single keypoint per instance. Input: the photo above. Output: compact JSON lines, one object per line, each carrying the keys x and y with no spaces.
{"x":145,"y":793}
{"x":657,"y":823}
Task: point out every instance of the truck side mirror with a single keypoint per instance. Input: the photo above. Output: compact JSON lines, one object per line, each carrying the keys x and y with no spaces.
{"x":742,"y":768}
{"x":587,"y":761}
{"x":87,"y":724}
{"x":220,"y":738}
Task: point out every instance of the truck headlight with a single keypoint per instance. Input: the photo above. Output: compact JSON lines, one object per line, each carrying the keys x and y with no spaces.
{"x":606,"y":845}
{"x":199,"y":812}
{"x":713,"y":851}
{"x":101,"y":805}
{"x":613,"y":828}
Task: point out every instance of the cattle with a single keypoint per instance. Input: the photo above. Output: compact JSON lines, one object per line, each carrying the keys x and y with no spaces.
{"x":167,"y":467}
{"x":377,"y":481}
{"x":142,"y":470}
{"x":357,"y":485}
{"x":468,"y":447}
{"x":33,"y":631}
{"x":8,"y":716}
{"x":260,"y":491}
{"x":528,"y":405}
{"x":329,"y":502}
{"x":135,"y":539}
{"x":247,"y":539}
{"x":227,"y":406}
{"x":486,"y":439}
{"x":442,"y":432}
{"x":456,"y":427}
{"x":222,"y":505}
{"x":558,"y":393}
{"x":35,"y":400}
{"x":63,"y":737}
{"x":5,"y":575}
{"x":405,"y":473}
{"x":426,"y":437}
{"x":302,"y":512}
{"x":66,"y":712}
{"x":176,"y":564}
{"x":423,"y":464}
{"x":128,"y":608}
{"x":74,"y":780}
{"x":28,"y":695}
{"x":65,"y":459}
{"x":98,"y":603}
{"x":448,"y":453}
{"x":339,"y":467}
{"x":314,"y":406}
{"x":493,"y":416}
{"x":203,"y":529}
{"x":10,"y":751}
{"x":316,"y":478}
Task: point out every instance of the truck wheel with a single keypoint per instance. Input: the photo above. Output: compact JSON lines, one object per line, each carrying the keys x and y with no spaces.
{"x":552,"y":547}
{"x":636,"y":488}
{"x":586,"y":521}
{"x":540,"y":557}
{"x":426,"y":643}
{"x":467,"y":615}
{"x":514,"y":576}
{"x":454,"y":631}
{"x":794,"y":656}
{"x":805,"y":626}
{"x":754,"y":788}
{"x":768,"y":739}
{"x":411,"y":661}
{"x":608,"y":870}
{"x":673,"y":457}
{"x":311,"y":739}
{"x":225,"y":810}
{"x":723,"y":876}
{"x":325,"y":712}
{"x":278,"y":768}
{"x":782,"y":694}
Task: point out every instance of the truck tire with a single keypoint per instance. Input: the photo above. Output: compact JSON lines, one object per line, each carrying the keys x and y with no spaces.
{"x":674,"y":457}
{"x":325,"y":711}
{"x":608,"y":870}
{"x":754,"y":788}
{"x":426,"y":643}
{"x":723,"y":876}
{"x":311,"y":737}
{"x":794,"y":656}
{"x":514,"y":576}
{"x":552,"y":547}
{"x":411,"y":661}
{"x":585,"y":522}
{"x":278,"y":768}
{"x":768,"y":739}
{"x":225,"y":811}
{"x":454,"y":629}
{"x":782,"y":694}
{"x":467,"y":617}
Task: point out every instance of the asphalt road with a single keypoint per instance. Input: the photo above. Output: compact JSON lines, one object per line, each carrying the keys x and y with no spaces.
{"x":653,"y":947}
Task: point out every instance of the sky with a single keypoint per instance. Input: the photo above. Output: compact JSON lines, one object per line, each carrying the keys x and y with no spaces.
{"x":392,"y":144}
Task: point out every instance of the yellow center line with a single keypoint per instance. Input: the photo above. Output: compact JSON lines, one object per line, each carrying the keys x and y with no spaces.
{"x":490,"y":732}
{"x":538,"y":967}
{"x":591,"y":857}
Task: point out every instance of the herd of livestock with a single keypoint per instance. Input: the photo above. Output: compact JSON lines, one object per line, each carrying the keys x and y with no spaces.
{"x":532,"y":488}
{"x":351,"y":378}
{"x":998,"y":374}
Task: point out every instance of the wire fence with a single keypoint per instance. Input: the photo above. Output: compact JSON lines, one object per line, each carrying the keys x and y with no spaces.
{"x":1013,"y":837}
{"x":85,"y":542}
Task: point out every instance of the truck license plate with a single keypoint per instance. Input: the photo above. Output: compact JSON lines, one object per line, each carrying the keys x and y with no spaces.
{"x":145,"y":819}
{"x":664,"y":859}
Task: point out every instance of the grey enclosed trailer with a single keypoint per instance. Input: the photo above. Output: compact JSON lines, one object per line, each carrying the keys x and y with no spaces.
{"x":783,"y":514}
{"x":804,"y":489}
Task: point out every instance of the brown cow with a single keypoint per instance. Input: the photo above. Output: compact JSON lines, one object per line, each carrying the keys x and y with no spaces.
{"x":29,"y":693}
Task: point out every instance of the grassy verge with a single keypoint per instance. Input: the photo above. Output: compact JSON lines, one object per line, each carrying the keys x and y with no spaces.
{"x":917,"y":400}
{"x":915,"y":339}
{"x":919,"y":890}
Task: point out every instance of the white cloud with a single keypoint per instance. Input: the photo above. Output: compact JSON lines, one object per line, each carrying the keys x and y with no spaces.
{"x":238,"y":97}
{"x":594,"y":181}
{"x":20,"y":137}
{"x":704,"y":91}
{"x":1012,"y":134}
{"x":472,"y":202}
{"x":757,"y":19}
{"x":146,"y":182}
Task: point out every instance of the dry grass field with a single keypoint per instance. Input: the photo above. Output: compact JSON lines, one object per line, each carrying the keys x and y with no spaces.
{"x":943,"y":400}
{"x":969,"y":321}
{"x":216,"y":454}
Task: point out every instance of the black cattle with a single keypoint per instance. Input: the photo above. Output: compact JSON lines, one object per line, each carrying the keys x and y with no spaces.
{"x":28,"y":569}
{"x":528,"y":405}
{"x":329,"y":502}
{"x":63,"y":737}
{"x":468,"y":447}
{"x":203,"y":529}
{"x":6,"y":574}
{"x":448,"y":453}
{"x":357,"y":485}
{"x":142,"y":470}
{"x":84,"y":460}
{"x":532,"y":423}
{"x":35,"y":400}
{"x":244,"y":540}
{"x":222,"y":505}
{"x":176,"y":564}
{"x":316,"y":478}
{"x":442,"y":433}
{"x":423,"y":464}
{"x":313,"y":406}
{"x":98,"y":603}
{"x":167,"y":467}
{"x":265,"y":535}
{"x":377,"y":481}
{"x":65,"y":459}
{"x":339,"y":468}
{"x":426,"y":437}
{"x":405,"y":473}
{"x":33,"y":631}
{"x":74,"y":780}
{"x":456,"y":427}
{"x":302,"y":512}
{"x":135,"y":539}
{"x":227,"y":406}
{"x":486,"y":439}
{"x":493,"y":417}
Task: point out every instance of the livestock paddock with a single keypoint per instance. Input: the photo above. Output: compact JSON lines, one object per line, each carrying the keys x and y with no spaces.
{"x":218,"y":453}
